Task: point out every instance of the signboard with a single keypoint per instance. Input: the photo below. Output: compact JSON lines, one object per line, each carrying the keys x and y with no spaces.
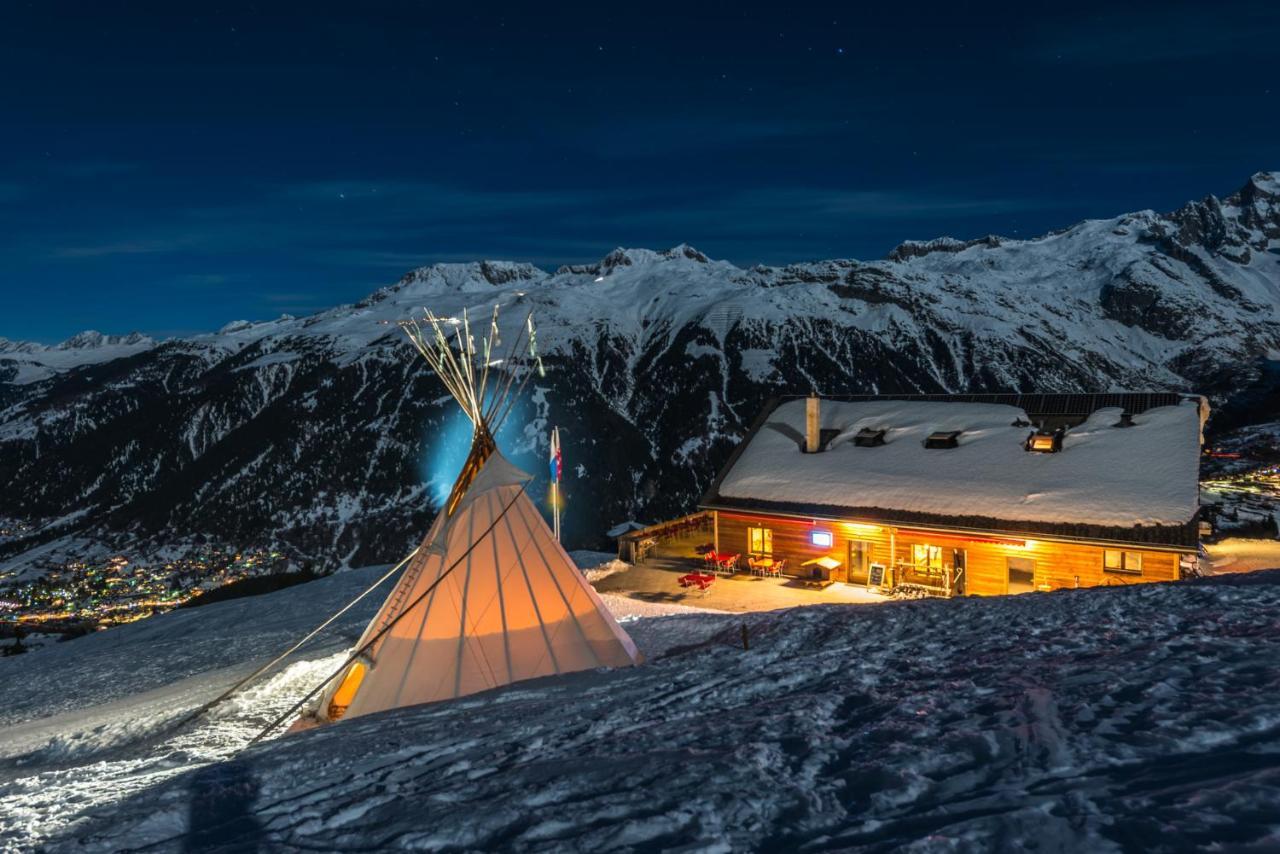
{"x":875,"y":575}
{"x":821,"y":538}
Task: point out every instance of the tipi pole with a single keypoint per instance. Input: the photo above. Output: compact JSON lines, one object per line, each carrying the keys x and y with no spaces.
{"x":389,"y":626}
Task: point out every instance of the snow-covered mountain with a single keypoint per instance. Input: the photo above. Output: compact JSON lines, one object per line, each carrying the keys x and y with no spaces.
{"x":324,"y":434}
{"x":24,"y":362}
{"x":1136,"y":718}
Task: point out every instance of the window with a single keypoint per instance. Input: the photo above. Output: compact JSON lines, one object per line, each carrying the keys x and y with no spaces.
{"x":823,"y":539}
{"x":1114,"y":560}
{"x":1045,"y":442}
{"x":943,"y":439}
{"x":760,"y":541}
{"x":1022,"y":574}
{"x":869,"y":438}
{"x":926,"y":556}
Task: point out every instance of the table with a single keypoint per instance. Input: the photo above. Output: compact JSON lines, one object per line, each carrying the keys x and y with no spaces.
{"x":698,"y":580}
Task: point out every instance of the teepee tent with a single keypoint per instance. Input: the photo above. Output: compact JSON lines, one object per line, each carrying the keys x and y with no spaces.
{"x":490,"y":597}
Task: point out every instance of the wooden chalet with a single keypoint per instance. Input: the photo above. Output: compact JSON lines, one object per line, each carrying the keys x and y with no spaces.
{"x":967,"y":494}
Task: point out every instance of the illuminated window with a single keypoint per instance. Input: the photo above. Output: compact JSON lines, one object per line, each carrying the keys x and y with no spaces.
{"x":1114,"y":560}
{"x":760,"y":541}
{"x":1045,"y":443}
{"x":821,"y":538}
{"x":927,"y":556}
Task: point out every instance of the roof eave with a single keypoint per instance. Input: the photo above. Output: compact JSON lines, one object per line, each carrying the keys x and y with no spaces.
{"x":1180,"y":538}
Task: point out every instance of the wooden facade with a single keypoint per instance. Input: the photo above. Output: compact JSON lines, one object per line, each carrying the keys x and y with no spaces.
{"x":945,"y":562}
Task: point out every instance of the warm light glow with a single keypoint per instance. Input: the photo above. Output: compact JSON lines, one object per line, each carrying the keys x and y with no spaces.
{"x":1042,"y":442}
{"x":860,"y":527}
{"x":346,"y":691}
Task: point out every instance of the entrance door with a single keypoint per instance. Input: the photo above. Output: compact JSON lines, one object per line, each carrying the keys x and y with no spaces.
{"x":856,"y":561}
{"x":958,"y":579}
{"x":1022,"y":575}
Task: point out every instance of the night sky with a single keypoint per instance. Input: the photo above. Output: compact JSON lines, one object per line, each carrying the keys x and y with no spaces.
{"x":169,"y":167}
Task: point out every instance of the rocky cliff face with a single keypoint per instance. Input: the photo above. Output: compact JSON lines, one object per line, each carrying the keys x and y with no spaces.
{"x":325,"y":435}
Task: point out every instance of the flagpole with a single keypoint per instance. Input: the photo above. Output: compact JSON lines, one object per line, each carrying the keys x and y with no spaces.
{"x":558,"y":465}
{"x":555,"y":481}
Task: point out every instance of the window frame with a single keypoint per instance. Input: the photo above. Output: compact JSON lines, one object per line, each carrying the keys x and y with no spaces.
{"x":765,"y":539}
{"x":928,"y":559}
{"x":1009,"y":570}
{"x":1125,"y":558}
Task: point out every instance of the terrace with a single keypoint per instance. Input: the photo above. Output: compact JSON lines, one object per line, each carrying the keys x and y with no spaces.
{"x":665,"y":553}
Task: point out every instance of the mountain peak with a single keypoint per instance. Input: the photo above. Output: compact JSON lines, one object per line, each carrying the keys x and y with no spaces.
{"x":471,"y":275}
{"x":909,"y":249}
{"x":1266,"y":184}
{"x":92,"y":339}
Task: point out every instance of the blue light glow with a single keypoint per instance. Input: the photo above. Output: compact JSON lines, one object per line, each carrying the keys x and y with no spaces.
{"x":445,"y":449}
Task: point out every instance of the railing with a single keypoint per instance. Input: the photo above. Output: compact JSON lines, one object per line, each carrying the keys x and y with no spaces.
{"x":939,"y":579}
{"x":632,"y":545}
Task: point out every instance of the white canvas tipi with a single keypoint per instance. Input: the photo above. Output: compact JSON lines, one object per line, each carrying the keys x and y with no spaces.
{"x":490,"y":597}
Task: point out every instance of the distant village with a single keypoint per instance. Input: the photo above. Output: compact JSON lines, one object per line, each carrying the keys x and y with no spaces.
{"x":81,"y":595}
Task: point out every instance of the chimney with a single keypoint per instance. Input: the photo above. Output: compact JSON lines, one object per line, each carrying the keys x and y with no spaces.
{"x":812,"y":424}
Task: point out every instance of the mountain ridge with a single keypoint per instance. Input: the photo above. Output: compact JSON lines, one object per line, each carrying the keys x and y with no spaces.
{"x":324,"y":436}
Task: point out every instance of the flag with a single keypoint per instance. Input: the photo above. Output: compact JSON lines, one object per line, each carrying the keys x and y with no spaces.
{"x":555,"y":455}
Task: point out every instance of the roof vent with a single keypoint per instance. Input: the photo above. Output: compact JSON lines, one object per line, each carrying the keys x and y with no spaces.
{"x":1126,"y":419}
{"x":943,"y":439}
{"x":1044,"y":441}
{"x":868,"y":438}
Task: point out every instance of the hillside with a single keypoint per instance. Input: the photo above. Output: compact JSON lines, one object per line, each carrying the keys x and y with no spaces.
{"x":1111,"y":719}
{"x":323,"y":436}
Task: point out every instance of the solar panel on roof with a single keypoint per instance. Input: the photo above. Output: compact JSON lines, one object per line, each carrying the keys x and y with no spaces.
{"x":1071,"y":406}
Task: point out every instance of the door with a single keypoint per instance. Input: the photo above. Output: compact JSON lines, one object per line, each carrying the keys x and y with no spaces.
{"x":1022,"y":575}
{"x":856,"y":561}
{"x":960,"y":562}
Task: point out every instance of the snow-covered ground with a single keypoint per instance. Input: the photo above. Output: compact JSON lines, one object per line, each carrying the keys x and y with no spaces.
{"x":1242,"y":554}
{"x":1142,"y":717}
{"x":88,"y":723}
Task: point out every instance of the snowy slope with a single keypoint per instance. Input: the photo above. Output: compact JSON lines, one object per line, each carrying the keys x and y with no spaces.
{"x":322,"y":435}
{"x":1111,"y":719}
{"x":94,"y":720}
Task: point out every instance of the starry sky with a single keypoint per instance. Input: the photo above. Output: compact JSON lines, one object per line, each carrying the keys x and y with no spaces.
{"x":168,"y":167}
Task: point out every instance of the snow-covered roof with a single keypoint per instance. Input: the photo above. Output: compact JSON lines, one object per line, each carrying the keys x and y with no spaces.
{"x":1104,"y":475}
